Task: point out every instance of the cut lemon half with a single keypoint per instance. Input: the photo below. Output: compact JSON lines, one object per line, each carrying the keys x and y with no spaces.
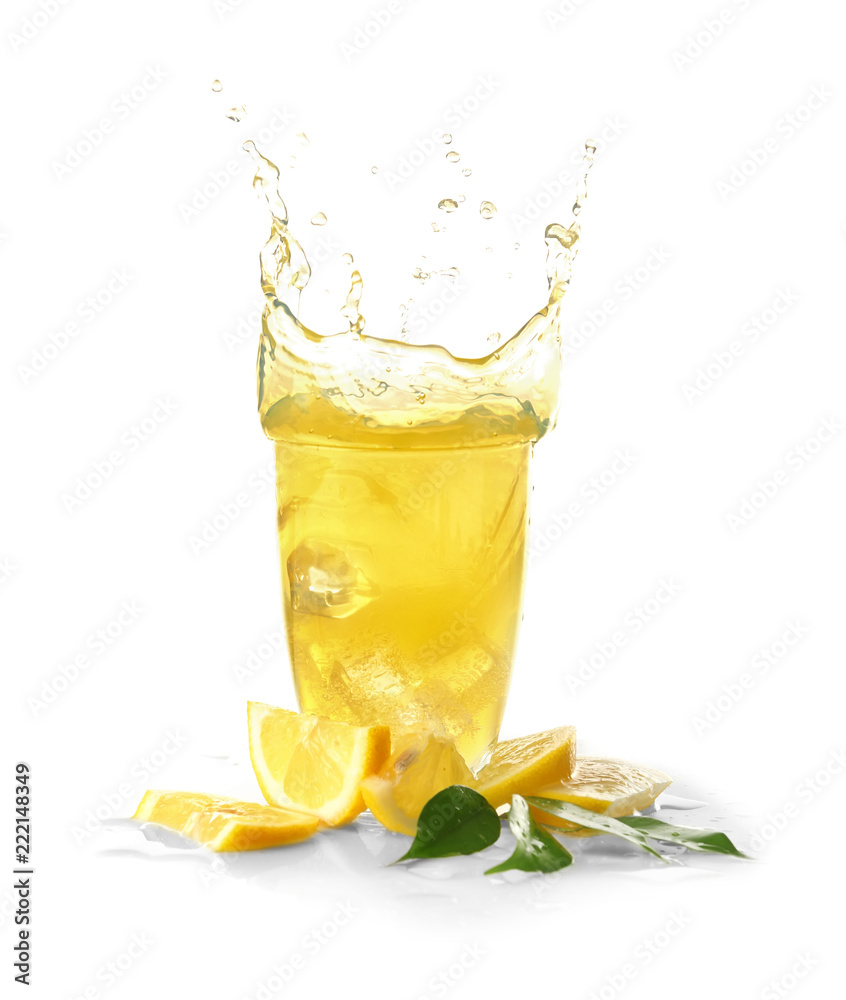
{"x":521,"y":765}
{"x":420,"y":766}
{"x":605,"y":785}
{"x":222,"y":824}
{"x":310,"y":764}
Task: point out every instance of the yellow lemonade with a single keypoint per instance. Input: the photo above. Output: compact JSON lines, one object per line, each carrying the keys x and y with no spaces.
{"x":402,"y":489}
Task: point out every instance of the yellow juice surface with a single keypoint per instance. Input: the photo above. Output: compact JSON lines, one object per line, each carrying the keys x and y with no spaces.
{"x":402,"y":576}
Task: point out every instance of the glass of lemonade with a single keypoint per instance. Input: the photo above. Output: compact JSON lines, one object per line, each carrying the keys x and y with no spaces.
{"x":402,"y":490}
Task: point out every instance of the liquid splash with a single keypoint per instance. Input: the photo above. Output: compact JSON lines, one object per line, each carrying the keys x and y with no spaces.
{"x":349,"y":387}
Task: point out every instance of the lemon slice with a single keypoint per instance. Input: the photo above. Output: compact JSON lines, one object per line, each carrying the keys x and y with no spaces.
{"x":420,"y":765}
{"x":310,"y":764}
{"x":605,"y":785}
{"x":224,"y":824}
{"x":519,"y":766}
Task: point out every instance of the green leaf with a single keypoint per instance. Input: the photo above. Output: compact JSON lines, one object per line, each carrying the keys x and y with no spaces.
{"x":710,"y":841}
{"x":537,"y":850}
{"x":593,"y":820}
{"x":458,"y":820}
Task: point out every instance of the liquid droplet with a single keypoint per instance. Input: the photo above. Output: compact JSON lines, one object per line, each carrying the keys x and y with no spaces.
{"x":304,"y":139}
{"x":494,"y":338}
{"x":448,"y":205}
{"x":460,"y":199}
{"x":488,"y":249}
{"x":237,"y":113}
{"x":467,"y":171}
{"x":453,"y":156}
{"x":435,"y":227}
{"x":319,"y":219}
{"x":487,"y":210}
{"x":374,"y":170}
{"x":420,"y":397}
{"x":516,"y":246}
{"x":348,"y":258}
{"x":447,"y":137}
{"x":217,"y":86}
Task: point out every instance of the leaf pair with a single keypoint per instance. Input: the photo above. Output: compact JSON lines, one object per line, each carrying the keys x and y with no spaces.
{"x":458,"y":820}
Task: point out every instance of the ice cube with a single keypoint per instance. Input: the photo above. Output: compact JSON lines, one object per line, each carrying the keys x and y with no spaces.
{"x":324,"y":581}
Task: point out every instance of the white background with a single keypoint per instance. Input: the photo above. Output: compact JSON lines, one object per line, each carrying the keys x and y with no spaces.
{"x":669,"y":181}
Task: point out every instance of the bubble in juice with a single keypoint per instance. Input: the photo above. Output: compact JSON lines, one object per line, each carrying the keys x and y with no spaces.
{"x":402,"y":489}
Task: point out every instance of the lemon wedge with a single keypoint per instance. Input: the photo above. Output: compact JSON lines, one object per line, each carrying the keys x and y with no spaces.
{"x":605,"y":785}
{"x":521,"y":765}
{"x":222,"y":824}
{"x":313,"y":765}
{"x":420,"y":765}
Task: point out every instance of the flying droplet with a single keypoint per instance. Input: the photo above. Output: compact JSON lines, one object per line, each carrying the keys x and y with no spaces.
{"x":494,"y":338}
{"x":304,"y":139}
{"x":374,"y":170}
{"x":516,"y":246}
{"x":453,"y":156}
{"x":488,"y":249}
{"x":217,"y":86}
{"x":347,"y":258}
{"x":461,"y":199}
{"x":319,"y":219}
{"x":448,"y":205}
{"x":292,"y":160}
{"x":447,"y":138}
{"x":435,"y":227}
{"x":467,"y":171}
{"x":487,"y":210}
{"x":237,"y":113}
